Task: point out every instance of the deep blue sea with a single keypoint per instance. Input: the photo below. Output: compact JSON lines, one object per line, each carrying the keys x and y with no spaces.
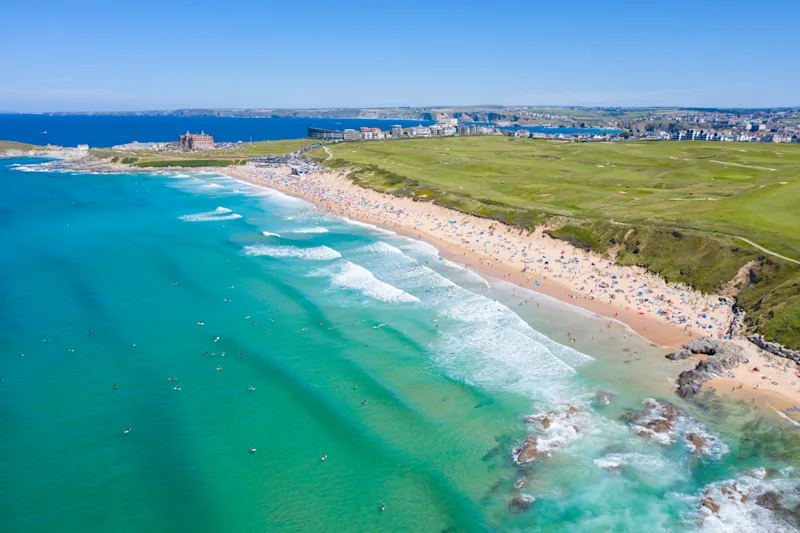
{"x":100,"y":131}
{"x":180,"y":351}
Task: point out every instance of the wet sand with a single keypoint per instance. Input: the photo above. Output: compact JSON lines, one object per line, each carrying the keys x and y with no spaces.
{"x":766,"y":381}
{"x":666,"y":314}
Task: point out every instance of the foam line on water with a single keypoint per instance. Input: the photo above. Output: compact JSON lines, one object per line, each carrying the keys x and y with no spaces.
{"x":317,"y":253}
{"x":218,"y":214}
{"x":470,"y":273}
{"x":736,"y":515}
{"x":380,"y":247}
{"x":367,"y":225}
{"x":485,"y":343}
{"x":269,"y":234}
{"x":353,"y":276}
{"x":315,"y":229}
{"x":269,"y":193}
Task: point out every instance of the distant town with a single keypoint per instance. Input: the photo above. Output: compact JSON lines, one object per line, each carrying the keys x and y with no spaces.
{"x":743,"y":125}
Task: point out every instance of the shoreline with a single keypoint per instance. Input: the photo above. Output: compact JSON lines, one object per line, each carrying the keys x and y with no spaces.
{"x":647,"y":325}
{"x":324,"y":189}
{"x":766,"y":381}
{"x":773,"y":400}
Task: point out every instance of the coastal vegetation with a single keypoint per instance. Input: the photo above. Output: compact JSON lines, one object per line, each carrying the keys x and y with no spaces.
{"x":13,"y":145}
{"x":218,"y":157}
{"x":680,"y":209}
{"x":193,"y":163}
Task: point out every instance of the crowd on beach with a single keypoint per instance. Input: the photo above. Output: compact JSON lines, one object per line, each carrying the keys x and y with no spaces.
{"x":585,"y":275}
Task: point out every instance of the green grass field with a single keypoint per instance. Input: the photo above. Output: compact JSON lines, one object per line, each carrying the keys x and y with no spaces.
{"x":13,"y":145}
{"x":220,"y":157}
{"x":674,"y":207}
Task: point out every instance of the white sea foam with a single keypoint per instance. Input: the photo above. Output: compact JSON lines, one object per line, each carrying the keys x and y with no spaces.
{"x":421,"y":248}
{"x":356,"y":277}
{"x":646,"y":463}
{"x":318,"y":253}
{"x":483,"y":342}
{"x":315,"y":229}
{"x":380,"y":247}
{"x":269,"y":234}
{"x":368,"y":226}
{"x":742,"y":516}
{"x":468,"y":272}
{"x":218,"y":214}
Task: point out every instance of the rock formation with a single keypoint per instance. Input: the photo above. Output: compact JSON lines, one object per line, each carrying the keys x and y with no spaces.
{"x":774,"y":348}
{"x":722,"y":356}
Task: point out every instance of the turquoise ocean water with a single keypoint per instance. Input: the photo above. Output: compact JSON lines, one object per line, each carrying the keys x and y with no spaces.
{"x":411,"y":375}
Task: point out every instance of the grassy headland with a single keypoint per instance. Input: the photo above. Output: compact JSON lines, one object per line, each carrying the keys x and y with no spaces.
{"x":220,"y":157}
{"x":676,"y":208}
{"x":13,"y":145}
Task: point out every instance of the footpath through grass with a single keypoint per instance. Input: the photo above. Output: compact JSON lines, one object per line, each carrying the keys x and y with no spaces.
{"x":673,"y":207}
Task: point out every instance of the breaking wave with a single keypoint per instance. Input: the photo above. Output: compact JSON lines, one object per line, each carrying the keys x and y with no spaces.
{"x":356,"y":277}
{"x":315,"y":229}
{"x":218,"y":214}
{"x":318,"y":253}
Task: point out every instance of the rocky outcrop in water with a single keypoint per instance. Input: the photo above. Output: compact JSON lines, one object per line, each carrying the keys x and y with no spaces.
{"x":774,"y":348}
{"x":722,"y":356}
{"x":552,"y":431}
{"x":523,"y":502}
{"x":529,"y":451}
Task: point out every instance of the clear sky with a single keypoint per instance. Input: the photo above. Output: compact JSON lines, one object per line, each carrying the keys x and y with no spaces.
{"x":90,"y":55}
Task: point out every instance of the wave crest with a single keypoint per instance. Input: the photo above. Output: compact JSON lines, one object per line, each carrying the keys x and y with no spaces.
{"x":317,"y":253}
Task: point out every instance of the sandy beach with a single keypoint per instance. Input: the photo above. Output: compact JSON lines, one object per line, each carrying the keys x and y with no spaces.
{"x":767,"y":381}
{"x":668,"y":315}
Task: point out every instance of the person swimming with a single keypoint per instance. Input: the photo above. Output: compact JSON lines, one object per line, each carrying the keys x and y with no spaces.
{"x":251,"y":388}
{"x":323,"y":457}
{"x":127,"y":430}
{"x":253,"y":450}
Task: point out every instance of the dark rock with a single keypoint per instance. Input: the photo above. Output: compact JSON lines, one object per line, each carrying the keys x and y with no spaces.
{"x":710,"y":504}
{"x":697,"y":441}
{"x":774,"y":348}
{"x":679,"y":355}
{"x":770,"y":500}
{"x":529,"y":452}
{"x":523,"y":502}
{"x":603,"y":398}
{"x":722,"y":356}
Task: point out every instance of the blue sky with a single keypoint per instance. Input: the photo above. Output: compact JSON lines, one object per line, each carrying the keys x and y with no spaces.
{"x":89,"y":55}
